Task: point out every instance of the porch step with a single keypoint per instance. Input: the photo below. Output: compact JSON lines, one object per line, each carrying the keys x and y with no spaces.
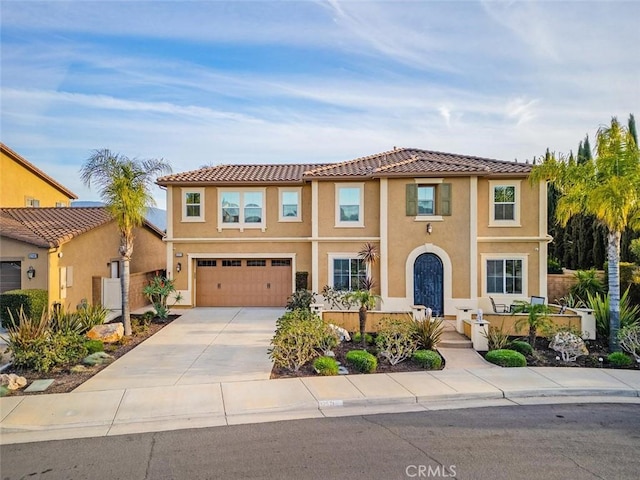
{"x":452,"y":339}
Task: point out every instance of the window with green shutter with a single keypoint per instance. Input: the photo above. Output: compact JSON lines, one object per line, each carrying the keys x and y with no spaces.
{"x":428,"y":199}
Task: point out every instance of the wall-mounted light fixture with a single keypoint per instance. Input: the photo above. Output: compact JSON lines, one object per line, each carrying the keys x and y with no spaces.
{"x":31,"y":272}
{"x":178,"y":267}
{"x":429,"y":228}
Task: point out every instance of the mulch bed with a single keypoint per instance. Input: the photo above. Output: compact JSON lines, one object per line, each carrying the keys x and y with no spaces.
{"x":65,"y":381}
{"x":341,"y":351}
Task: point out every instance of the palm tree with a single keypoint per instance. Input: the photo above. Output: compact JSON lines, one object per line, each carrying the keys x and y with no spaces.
{"x":607,"y":187}
{"x":367,"y":301}
{"x":537,"y":318}
{"x":124,"y":186}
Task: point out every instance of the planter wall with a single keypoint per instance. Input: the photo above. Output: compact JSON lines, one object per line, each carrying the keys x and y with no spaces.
{"x":508,"y":322}
{"x":350,"y":322}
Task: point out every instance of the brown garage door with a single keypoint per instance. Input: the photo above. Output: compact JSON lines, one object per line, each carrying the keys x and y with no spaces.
{"x":243,"y":282}
{"x":10,"y":276}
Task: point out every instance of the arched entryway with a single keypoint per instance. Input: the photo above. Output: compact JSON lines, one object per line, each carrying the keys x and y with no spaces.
{"x":428,"y":282}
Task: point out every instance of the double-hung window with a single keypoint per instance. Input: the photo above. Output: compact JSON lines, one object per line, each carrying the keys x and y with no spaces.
{"x":290,"y":205}
{"x":193,"y":204}
{"x":241,"y":208}
{"x":505,"y":276}
{"x":504,"y":203}
{"x":348,"y":273}
{"x":350,"y":205}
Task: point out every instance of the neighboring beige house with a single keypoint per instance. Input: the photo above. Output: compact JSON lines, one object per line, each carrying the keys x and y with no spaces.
{"x":22,"y":184}
{"x":452,"y":230}
{"x":73,"y":254}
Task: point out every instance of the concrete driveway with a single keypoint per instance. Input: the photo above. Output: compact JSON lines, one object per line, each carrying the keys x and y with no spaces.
{"x":204,"y":345}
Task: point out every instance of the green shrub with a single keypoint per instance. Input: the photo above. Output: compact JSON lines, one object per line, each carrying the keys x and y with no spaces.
{"x":357,"y":338}
{"x":91,"y":315}
{"x":428,"y":332}
{"x":299,"y":334}
{"x":619,"y":359}
{"x":33,"y":302}
{"x":300,"y":299}
{"x":396,"y":339}
{"x":326,"y":366}
{"x":588,"y":283}
{"x":496,"y":337}
{"x":94,"y":346}
{"x":553,"y":265}
{"x":519,"y":346}
{"x":158,"y":292}
{"x":427,"y":359}
{"x":629,"y":313}
{"x":362,"y":361}
{"x":64,"y":321}
{"x":68,"y":348}
{"x":140,"y":324}
{"x":506,"y":358}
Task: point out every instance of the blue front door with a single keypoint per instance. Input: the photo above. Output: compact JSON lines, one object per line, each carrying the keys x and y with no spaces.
{"x":428,"y":282}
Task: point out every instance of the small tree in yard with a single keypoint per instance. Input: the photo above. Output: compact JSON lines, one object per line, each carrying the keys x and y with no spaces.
{"x":537,"y":318}
{"x":124,"y":186}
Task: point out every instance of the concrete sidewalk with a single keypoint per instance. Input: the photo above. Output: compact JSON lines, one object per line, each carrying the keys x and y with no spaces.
{"x":210,"y":367}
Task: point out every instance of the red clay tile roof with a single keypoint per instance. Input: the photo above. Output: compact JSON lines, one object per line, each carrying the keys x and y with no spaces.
{"x":36,"y":171}
{"x":397,"y":162}
{"x":411,"y":161}
{"x":226,"y":174}
{"x":51,"y":227}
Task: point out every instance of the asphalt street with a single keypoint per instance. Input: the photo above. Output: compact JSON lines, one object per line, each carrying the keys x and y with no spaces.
{"x":577,"y":441}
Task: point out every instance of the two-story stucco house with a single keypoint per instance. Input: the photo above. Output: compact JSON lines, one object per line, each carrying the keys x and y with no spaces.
{"x":452,"y":230}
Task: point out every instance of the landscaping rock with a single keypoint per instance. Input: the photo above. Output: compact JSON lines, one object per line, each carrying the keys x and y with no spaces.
{"x":107,"y":333}
{"x":12,"y":381}
{"x":343,"y":335}
{"x":98,"y":358}
{"x":569,"y":345}
{"x":343,"y":371}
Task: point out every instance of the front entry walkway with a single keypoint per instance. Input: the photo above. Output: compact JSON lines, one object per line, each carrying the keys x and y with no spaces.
{"x":204,"y":345}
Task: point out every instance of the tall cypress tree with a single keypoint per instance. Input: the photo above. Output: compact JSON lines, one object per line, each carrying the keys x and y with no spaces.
{"x":632,"y":127}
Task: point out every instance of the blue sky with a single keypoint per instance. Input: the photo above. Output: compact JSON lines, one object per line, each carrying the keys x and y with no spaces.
{"x":210,"y":82}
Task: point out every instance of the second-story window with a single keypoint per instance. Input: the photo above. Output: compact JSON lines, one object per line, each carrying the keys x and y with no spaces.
{"x":241,"y":208}
{"x":426,"y":199}
{"x":504,"y":203}
{"x":193,"y":204}
{"x":350,"y":205}
{"x":290,"y":205}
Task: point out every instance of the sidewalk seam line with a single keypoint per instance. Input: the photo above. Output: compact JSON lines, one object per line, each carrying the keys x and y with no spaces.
{"x":116,"y":412}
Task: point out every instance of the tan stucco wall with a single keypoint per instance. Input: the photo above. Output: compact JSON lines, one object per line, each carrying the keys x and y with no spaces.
{"x":209,"y":228}
{"x":17,"y":183}
{"x":452,"y":234}
{"x":90,"y":253}
{"x":12,"y":250}
{"x":529,"y":209}
{"x":327,"y":211}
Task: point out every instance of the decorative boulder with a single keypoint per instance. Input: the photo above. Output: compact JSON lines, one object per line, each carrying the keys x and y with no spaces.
{"x":569,"y":345}
{"x":12,"y":381}
{"x":107,"y":333}
{"x":343,"y":335}
{"x":98,"y":358}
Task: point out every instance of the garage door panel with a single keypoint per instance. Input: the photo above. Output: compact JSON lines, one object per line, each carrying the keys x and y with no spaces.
{"x":247,"y":283}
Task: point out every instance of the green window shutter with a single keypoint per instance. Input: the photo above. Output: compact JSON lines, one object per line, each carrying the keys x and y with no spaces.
{"x":412,"y":199}
{"x":444,"y":204}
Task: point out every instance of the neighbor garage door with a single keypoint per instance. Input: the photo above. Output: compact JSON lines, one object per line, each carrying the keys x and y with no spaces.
{"x":10,"y":277}
{"x":243,"y":282}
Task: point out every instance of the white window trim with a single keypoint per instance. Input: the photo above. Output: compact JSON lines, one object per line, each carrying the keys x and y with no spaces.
{"x":281,"y":191}
{"x":360,"y":222}
{"x":484,"y":257}
{"x":241,"y":225}
{"x":184,"y":193}
{"x":516,"y":208}
{"x":342,"y":256}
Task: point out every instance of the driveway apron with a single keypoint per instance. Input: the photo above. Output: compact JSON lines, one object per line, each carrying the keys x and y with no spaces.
{"x":204,"y":345}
